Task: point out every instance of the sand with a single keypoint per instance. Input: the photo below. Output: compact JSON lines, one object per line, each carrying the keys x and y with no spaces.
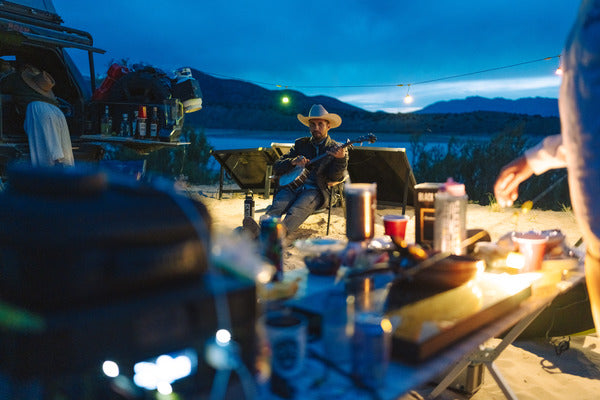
{"x":532,"y":369}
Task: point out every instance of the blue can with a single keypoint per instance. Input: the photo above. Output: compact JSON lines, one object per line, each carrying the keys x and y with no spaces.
{"x":371,"y":346}
{"x":271,"y":243}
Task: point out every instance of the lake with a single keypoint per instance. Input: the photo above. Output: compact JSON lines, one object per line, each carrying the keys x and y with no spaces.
{"x":229,"y":139}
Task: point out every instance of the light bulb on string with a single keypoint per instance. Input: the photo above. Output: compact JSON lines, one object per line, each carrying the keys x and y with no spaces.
{"x":559,"y":70}
{"x":408,"y":99}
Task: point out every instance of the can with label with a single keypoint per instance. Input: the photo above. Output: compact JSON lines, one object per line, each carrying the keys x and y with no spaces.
{"x":371,"y":345}
{"x":271,"y":244}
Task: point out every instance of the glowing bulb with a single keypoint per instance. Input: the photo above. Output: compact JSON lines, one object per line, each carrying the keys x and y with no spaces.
{"x":408,"y":99}
{"x":558,"y":71}
{"x":164,"y":388}
{"x":110,"y":369}
{"x":285,"y":99}
{"x":223,"y":336}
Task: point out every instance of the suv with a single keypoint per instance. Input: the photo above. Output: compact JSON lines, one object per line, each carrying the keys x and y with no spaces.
{"x":32,"y":32}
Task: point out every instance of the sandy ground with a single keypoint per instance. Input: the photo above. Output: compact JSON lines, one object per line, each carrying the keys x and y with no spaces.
{"x":531,"y":368}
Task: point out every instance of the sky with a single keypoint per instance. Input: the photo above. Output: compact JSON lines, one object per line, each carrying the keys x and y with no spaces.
{"x":369,"y":53}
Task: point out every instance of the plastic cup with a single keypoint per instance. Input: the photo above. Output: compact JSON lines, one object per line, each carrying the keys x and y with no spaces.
{"x":533,"y":247}
{"x":395,"y":225}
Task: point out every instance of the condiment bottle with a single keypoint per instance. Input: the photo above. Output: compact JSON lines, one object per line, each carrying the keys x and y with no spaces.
{"x":449,"y":230}
{"x":125,"y":130}
{"x":154,"y":123}
{"x":106,"y":123}
{"x":141,"y":123}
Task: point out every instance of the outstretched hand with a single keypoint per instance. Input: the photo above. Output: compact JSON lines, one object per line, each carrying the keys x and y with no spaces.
{"x":506,"y":188}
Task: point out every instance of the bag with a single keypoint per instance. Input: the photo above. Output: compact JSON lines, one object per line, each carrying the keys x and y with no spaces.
{"x":115,"y":72}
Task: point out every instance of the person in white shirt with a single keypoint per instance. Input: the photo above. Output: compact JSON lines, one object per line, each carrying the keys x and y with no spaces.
{"x":578,"y":146}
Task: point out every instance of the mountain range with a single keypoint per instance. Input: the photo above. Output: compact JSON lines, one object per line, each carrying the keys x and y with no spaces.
{"x":236,"y":104}
{"x":546,"y":107}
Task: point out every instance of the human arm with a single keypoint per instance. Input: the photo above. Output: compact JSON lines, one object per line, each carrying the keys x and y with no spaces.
{"x":337,"y":167}
{"x":295,"y":156}
{"x":547,"y":154}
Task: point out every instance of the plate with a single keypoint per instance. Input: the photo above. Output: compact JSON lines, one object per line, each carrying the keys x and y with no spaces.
{"x":313,"y":246}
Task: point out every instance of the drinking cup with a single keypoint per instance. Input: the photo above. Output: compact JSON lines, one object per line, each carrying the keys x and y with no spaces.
{"x":395,"y":225}
{"x":286,"y":334}
{"x":533,"y":247}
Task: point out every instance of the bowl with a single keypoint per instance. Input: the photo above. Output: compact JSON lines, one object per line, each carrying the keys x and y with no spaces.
{"x":315,"y":246}
{"x":326,"y":263}
{"x":449,"y":272}
{"x":555,"y":238}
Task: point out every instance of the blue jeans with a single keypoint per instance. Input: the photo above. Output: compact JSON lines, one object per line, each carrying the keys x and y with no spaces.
{"x":297,"y":205}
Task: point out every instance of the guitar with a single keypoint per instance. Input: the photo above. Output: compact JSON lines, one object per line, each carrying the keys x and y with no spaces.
{"x":296,"y":177}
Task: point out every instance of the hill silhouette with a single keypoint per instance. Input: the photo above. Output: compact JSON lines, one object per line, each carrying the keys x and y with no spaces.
{"x":546,"y":107}
{"x":235,"y":104}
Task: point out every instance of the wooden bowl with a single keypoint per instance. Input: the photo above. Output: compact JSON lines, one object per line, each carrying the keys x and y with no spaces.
{"x":449,"y":272}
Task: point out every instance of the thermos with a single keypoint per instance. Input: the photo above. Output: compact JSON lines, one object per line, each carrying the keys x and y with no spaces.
{"x":361,"y":202}
{"x":449,"y":231}
{"x":249,"y":205}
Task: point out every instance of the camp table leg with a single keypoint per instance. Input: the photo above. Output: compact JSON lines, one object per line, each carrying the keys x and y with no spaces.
{"x":220,"y":194}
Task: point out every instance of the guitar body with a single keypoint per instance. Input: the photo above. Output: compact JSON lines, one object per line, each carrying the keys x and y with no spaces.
{"x":296,"y":177}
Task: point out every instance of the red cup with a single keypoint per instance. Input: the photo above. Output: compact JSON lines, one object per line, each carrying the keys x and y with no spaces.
{"x":533,"y":247}
{"x":395,"y":225}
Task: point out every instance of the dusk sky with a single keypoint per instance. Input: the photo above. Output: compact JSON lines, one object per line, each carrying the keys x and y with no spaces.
{"x":355,"y":50}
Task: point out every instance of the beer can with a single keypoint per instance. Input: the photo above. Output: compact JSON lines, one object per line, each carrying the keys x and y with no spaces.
{"x":371,"y":345}
{"x":271,"y":243}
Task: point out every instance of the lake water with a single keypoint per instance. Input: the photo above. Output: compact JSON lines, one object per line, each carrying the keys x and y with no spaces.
{"x":230,"y":139}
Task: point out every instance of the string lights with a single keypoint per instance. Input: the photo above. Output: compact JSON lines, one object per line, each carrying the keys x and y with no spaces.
{"x":408,"y":99}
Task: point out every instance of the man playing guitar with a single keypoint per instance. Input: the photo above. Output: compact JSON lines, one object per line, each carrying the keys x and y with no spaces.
{"x":318,"y":159}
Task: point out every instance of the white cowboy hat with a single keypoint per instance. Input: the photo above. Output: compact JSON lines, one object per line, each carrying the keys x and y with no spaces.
{"x":317,"y":111}
{"x":41,"y":82}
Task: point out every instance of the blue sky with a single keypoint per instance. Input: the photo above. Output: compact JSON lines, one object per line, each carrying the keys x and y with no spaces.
{"x":354,"y":50}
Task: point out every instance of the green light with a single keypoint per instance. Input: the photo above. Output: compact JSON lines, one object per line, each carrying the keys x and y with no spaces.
{"x":285,"y":99}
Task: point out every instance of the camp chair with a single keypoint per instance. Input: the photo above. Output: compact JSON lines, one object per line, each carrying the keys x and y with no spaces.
{"x":336,"y":195}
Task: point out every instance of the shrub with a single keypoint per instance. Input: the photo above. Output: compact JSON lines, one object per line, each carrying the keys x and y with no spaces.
{"x":477,"y":165}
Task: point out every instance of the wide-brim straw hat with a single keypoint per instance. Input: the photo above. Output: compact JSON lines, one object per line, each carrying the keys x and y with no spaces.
{"x":317,"y":111}
{"x":41,"y":82}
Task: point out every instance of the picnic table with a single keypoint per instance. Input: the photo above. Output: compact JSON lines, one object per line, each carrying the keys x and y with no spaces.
{"x":449,"y":363}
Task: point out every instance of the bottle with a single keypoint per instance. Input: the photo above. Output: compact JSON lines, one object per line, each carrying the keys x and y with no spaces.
{"x":125,"y":130}
{"x":134,"y":122}
{"x":449,"y":229}
{"x":249,"y":205}
{"x":154,"y":125}
{"x":106,"y":123}
{"x":141,"y":133}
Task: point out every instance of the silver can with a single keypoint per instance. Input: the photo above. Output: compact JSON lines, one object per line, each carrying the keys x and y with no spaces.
{"x":361,"y":202}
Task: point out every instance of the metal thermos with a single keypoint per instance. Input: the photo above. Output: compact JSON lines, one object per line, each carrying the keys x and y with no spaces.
{"x":249,"y":205}
{"x":361,"y":202}
{"x":449,"y":231}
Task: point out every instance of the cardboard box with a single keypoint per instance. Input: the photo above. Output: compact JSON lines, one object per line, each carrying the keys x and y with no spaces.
{"x":425,"y":212}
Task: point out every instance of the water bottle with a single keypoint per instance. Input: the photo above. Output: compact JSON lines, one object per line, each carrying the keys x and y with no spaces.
{"x":449,"y":230}
{"x":249,"y":205}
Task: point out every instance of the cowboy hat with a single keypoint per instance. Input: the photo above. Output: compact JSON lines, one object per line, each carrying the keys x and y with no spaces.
{"x":317,"y":111}
{"x":41,"y":82}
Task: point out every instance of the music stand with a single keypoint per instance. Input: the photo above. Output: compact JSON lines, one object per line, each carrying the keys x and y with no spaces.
{"x":389,"y":168}
{"x":250,"y":169}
